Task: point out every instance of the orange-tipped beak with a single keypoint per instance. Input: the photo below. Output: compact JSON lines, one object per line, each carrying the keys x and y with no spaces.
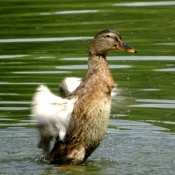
{"x":123,"y":46}
{"x":132,"y":50}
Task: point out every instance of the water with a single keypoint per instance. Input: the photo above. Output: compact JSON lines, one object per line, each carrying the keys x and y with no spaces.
{"x":41,"y":43}
{"x":142,"y":4}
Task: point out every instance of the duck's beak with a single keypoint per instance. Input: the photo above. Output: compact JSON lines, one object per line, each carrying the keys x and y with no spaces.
{"x":121,"y":45}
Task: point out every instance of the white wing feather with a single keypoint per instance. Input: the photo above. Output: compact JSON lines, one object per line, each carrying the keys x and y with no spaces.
{"x":52,"y":111}
{"x":73,"y":82}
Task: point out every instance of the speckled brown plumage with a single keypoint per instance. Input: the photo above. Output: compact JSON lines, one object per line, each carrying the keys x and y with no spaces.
{"x":91,"y":111}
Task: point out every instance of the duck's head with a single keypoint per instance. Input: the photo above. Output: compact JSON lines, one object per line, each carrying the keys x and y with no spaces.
{"x":106,"y":41}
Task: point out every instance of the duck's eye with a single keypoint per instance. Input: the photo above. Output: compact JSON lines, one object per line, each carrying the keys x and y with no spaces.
{"x":108,"y":36}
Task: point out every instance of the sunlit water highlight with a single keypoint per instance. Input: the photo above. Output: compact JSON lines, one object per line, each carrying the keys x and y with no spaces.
{"x":165,"y":70}
{"x":20,"y":83}
{"x":9,"y":94}
{"x":170,"y":106}
{"x":11,"y":56}
{"x":118,"y":58}
{"x":142,"y":4}
{"x":155,"y":103}
{"x":14,"y":102}
{"x":150,"y":89}
{"x":165,"y":44}
{"x":86,"y":67}
{"x":24,"y":40}
{"x":13,"y":108}
{"x":43,"y":72}
{"x":70,"y":12}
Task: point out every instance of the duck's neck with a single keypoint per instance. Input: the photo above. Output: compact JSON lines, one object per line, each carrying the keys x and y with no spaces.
{"x":98,"y":70}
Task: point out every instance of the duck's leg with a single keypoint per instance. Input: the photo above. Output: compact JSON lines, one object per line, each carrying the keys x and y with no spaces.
{"x":44,"y":144}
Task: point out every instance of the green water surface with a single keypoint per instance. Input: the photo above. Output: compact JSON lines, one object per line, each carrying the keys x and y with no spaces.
{"x":38,"y":37}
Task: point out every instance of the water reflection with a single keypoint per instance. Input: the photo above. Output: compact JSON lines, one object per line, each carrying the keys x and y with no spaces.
{"x":165,"y":44}
{"x":15,"y":125}
{"x":13,"y":108}
{"x":44,"y":57}
{"x":11,"y":56}
{"x":171,"y":106}
{"x":133,"y":125}
{"x":15,"y":102}
{"x":168,"y":122}
{"x":150,"y":89}
{"x":165,"y":70}
{"x":12,"y":63}
{"x":70,"y":12}
{"x":86,"y":67}
{"x":42,"y":72}
{"x":8,"y":94}
{"x":2,"y":118}
{"x":43,"y":39}
{"x":19,"y":83}
{"x":142,"y":4}
{"x":157,"y":121}
{"x":118,"y":58}
{"x":155,"y":103}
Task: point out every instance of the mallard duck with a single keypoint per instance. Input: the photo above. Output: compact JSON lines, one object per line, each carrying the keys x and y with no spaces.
{"x":79,"y":121}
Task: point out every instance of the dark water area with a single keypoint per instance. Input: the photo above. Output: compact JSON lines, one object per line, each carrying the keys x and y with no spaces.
{"x":42,"y":42}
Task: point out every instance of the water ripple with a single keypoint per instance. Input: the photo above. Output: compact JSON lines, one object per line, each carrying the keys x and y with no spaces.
{"x":155,"y":101}
{"x":43,"y":72}
{"x":25,"y":40}
{"x":155,"y":105}
{"x":86,"y":67}
{"x":127,"y":58}
{"x":15,"y":102}
{"x":8,"y":94}
{"x":19,"y":83}
{"x":142,"y":4}
{"x":165,"y":70}
{"x":70,"y":12}
{"x":13,"y":108}
{"x":11,"y":56}
{"x":150,"y":89}
{"x":165,"y":44}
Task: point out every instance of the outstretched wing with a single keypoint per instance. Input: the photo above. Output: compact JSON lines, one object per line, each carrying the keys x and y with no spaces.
{"x":69,"y":84}
{"x":49,"y":109}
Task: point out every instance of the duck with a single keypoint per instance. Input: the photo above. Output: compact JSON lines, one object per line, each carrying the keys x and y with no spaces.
{"x":78,"y":120}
